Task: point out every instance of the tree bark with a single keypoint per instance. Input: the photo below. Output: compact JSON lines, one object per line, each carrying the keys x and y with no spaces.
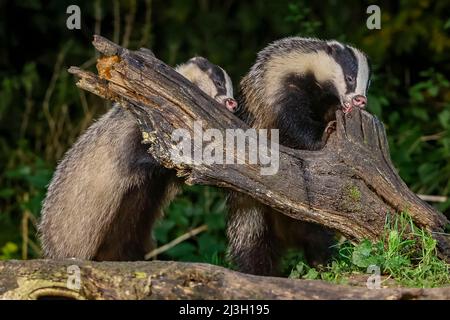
{"x":52,"y":279}
{"x":350,"y":185}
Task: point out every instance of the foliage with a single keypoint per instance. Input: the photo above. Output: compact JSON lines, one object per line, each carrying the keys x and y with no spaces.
{"x":408,"y":254}
{"x":9,"y":251}
{"x":42,"y":112}
{"x":420,"y":134}
{"x":195,"y":207}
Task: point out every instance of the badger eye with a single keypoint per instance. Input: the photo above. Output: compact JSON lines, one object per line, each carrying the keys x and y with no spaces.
{"x":349,"y":79}
{"x":218,"y":84}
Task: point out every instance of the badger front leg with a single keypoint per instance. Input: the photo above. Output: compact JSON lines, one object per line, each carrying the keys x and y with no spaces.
{"x":129,"y":236}
{"x":253,"y":247}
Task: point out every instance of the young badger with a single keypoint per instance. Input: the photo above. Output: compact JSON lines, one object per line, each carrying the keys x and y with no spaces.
{"x":296,"y":86}
{"x":108,"y":190}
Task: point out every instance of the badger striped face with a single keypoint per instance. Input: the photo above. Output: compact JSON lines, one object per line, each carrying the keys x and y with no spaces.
{"x":335,"y":69}
{"x":352,"y":70}
{"x":211,"y":79}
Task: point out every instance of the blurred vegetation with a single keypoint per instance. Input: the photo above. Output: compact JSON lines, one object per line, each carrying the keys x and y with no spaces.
{"x":42,"y":112}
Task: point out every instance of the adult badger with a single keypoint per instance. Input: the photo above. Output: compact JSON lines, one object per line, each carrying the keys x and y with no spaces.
{"x":296,"y":86}
{"x":108,"y":190}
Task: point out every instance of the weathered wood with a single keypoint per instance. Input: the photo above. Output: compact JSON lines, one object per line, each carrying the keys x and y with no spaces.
{"x":350,"y":185}
{"x":47,"y":279}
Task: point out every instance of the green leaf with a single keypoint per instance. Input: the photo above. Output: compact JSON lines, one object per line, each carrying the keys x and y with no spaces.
{"x":8,"y":251}
{"x":312,"y":274}
{"x":447,"y":24}
{"x":162,"y":229}
{"x":208,"y":245}
{"x":362,"y":255}
{"x":7,"y":193}
{"x":183,"y":251}
{"x":420,"y":113}
{"x":19,"y":173}
{"x":444,"y":119}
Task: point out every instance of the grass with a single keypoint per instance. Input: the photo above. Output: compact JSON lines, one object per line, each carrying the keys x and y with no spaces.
{"x":407,"y":255}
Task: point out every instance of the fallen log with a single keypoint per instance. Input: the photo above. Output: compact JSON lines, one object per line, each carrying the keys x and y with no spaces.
{"x":72,"y":279}
{"x":350,"y":185}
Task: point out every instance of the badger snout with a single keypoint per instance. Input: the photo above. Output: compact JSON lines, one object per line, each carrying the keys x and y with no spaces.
{"x":228,"y":102}
{"x":231,"y":104}
{"x":359,"y":101}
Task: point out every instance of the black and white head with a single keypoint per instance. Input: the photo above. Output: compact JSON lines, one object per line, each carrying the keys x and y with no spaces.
{"x":321,"y":74}
{"x":211,"y":79}
{"x":351,"y":75}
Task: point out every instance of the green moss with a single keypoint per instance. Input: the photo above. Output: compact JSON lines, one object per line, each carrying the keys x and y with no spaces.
{"x":140,"y":275}
{"x":354,"y":193}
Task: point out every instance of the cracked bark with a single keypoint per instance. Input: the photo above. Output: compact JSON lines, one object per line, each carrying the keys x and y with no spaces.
{"x":47,"y":279}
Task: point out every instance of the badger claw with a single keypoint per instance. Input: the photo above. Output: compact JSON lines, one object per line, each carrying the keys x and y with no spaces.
{"x":347,"y":108}
{"x":331,"y":127}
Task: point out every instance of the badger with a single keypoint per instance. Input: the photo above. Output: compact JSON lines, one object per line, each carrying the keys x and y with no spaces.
{"x":296,"y":85}
{"x":108,"y":191}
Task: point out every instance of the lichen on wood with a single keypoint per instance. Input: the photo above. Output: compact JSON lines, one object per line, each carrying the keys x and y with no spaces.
{"x":48,"y":279}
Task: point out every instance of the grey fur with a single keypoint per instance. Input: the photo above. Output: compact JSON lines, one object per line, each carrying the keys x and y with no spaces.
{"x":108,"y":191}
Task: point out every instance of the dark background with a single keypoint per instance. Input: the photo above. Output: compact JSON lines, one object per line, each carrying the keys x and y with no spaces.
{"x":42,"y":112}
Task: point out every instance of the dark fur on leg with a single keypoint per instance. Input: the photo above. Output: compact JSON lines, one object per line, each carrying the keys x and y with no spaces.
{"x":253,"y":246}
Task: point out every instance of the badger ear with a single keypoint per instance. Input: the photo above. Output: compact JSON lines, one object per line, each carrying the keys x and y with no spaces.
{"x":197,"y":59}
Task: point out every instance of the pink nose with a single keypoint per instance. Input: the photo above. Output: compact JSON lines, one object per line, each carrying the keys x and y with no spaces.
{"x":231,"y":104}
{"x":359,"y":101}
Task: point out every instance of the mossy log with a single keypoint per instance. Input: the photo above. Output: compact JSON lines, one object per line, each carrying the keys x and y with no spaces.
{"x":52,"y":279}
